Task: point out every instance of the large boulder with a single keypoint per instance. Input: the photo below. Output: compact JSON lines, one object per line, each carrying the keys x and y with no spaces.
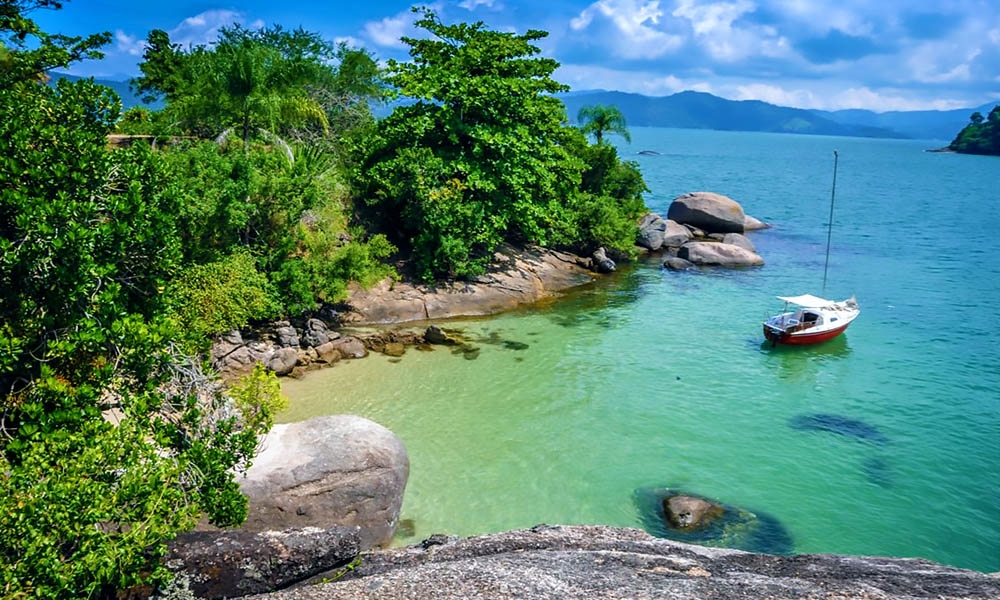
{"x":714,"y":213}
{"x":717,"y":254}
{"x":285,"y":335}
{"x":230,"y":564}
{"x":588,"y":562}
{"x":328,"y":471}
{"x":651,"y":231}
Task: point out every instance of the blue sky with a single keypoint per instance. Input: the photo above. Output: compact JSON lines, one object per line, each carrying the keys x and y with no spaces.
{"x":830,"y":54}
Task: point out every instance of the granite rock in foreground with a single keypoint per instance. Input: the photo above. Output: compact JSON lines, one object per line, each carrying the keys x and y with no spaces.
{"x":605,"y":562}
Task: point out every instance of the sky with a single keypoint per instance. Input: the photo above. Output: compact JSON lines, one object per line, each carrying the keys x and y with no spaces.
{"x":828,"y":54}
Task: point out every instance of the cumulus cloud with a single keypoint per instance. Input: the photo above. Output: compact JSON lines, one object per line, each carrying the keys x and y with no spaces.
{"x":204,"y":27}
{"x":712,"y":24}
{"x":388,"y":31}
{"x":129,"y":44}
{"x":629,"y":26}
{"x":474,"y":4}
{"x":588,"y":77}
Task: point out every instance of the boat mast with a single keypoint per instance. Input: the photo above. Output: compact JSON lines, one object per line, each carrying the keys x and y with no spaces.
{"x":829,"y":228}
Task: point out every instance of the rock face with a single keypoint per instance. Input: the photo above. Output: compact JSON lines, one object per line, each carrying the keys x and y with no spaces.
{"x":675,"y":235}
{"x":690,"y":512}
{"x":651,"y":231}
{"x":718,"y":254}
{"x":230,"y":564}
{"x":738,"y":239}
{"x":328,"y":471}
{"x":515,"y":278}
{"x":605,"y":562}
{"x":753,"y":224}
{"x":602,"y":264}
{"x":711,"y":212}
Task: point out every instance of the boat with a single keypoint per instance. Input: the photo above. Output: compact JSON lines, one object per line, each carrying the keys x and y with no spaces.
{"x":814,"y":320}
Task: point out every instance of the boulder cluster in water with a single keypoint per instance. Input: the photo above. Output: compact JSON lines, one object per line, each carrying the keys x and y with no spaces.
{"x":701,"y":229}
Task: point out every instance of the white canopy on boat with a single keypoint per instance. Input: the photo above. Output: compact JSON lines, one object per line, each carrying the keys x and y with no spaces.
{"x":807,"y":301}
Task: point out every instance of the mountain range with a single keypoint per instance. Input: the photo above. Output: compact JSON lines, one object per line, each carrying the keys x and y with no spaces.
{"x":699,"y":110}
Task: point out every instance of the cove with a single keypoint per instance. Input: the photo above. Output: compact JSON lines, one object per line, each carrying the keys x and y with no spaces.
{"x":656,"y":379}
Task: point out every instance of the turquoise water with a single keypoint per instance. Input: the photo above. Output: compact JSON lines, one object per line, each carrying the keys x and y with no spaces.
{"x":655,"y":379}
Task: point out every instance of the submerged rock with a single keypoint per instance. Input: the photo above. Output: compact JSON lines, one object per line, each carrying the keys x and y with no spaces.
{"x":690,"y":512}
{"x":602,"y":264}
{"x":840,"y":425}
{"x":727,"y":526}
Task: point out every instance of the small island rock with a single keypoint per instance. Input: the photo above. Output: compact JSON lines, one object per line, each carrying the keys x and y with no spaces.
{"x":709,"y":211}
{"x":690,"y":512}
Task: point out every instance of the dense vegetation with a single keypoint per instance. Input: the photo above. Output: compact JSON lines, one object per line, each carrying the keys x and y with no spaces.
{"x":980,"y":136}
{"x":270,"y":189}
{"x":484,"y":156}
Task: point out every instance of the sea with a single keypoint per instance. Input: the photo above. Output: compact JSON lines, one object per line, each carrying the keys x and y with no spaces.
{"x":589,"y":409}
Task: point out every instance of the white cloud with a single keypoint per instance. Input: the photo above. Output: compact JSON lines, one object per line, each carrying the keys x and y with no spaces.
{"x":204,"y":28}
{"x":474,"y":4}
{"x":588,"y":77}
{"x":388,"y":31}
{"x":634,"y":21}
{"x":712,"y":25}
{"x":129,"y":44}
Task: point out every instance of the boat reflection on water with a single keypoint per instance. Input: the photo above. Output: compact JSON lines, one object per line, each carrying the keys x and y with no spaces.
{"x":792,"y":362}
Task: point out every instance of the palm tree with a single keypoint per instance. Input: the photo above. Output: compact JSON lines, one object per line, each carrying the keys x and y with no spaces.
{"x":600,"y":119}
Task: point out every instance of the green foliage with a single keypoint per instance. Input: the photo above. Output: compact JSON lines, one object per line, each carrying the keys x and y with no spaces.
{"x":980,"y":136}
{"x":258,"y":397}
{"x":27,"y":53}
{"x":600,"y":119}
{"x":251,"y":80}
{"x":112,"y":440}
{"x":219,"y":296}
{"x":483,"y":156}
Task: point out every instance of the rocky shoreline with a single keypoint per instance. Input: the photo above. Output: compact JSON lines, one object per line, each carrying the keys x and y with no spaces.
{"x":334,"y":485}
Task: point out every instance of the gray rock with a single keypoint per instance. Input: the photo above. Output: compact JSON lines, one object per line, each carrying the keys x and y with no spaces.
{"x":738,"y":239}
{"x":675,"y":263}
{"x":712,"y":212}
{"x":752,"y":224}
{"x":436,"y":335}
{"x":694,"y":231}
{"x":690,"y":512}
{"x":327,"y":471}
{"x":350,"y":347}
{"x":394,"y":349}
{"x":315,"y":333}
{"x":651,"y":231}
{"x":602,"y":264}
{"x":675,"y":234}
{"x":225,"y":344}
{"x":286,"y":336}
{"x":589,"y":562}
{"x":328,"y":353}
{"x":718,"y":254}
{"x":230,"y":564}
{"x":283,"y":360}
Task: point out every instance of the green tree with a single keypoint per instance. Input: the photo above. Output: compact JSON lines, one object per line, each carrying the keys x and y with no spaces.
{"x":112,"y":439}
{"x":482,"y":156}
{"x":600,"y":119}
{"x":27,"y":53}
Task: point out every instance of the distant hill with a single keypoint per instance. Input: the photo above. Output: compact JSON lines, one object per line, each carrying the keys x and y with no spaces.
{"x":922,"y":124}
{"x":698,"y":110}
{"x":120,"y":87}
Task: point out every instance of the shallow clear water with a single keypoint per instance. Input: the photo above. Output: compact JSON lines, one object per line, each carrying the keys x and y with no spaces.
{"x":656,"y":379}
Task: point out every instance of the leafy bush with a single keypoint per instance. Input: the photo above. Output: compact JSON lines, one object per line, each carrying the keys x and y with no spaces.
{"x":219,"y":296}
